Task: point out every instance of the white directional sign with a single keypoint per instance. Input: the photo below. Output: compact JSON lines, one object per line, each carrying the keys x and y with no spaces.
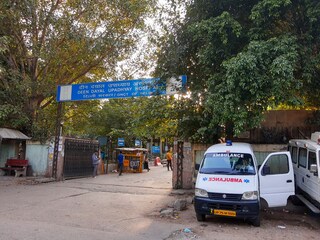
{"x":120,"y":89}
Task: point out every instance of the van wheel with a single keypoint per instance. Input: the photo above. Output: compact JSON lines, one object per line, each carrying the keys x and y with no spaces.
{"x":256,"y":221}
{"x":201,"y":217}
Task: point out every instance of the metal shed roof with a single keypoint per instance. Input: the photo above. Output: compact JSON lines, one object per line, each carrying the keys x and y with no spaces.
{"x":7,"y":133}
{"x":132,"y":149}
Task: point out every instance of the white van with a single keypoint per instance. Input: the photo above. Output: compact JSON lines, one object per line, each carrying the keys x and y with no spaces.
{"x":306,"y":165}
{"x":229,"y":182}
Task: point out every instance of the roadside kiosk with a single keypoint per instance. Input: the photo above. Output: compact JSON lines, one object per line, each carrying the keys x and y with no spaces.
{"x":133,"y":159}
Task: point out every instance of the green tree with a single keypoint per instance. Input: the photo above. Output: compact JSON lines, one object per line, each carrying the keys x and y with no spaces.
{"x":243,"y":57}
{"x":44,"y":43}
{"x":143,"y":118}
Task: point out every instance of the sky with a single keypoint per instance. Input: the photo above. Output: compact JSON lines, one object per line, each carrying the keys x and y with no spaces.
{"x":145,"y":51}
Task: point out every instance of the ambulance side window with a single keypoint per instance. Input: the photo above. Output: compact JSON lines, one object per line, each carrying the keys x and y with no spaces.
{"x":294,"y":155}
{"x":302,"y":157}
{"x":277,"y":164}
{"x":312,"y":159}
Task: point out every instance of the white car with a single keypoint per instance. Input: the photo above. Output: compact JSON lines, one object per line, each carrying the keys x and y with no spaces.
{"x":306,"y":164}
{"x":226,"y":186}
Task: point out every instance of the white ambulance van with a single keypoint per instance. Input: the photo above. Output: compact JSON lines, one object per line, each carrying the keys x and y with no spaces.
{"x":305,"y":155}
{"x":231,"y":184}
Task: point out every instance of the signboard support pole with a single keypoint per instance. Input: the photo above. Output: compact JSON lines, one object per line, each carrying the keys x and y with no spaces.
{"x":56,"y":141}
{"x":108,"y":147}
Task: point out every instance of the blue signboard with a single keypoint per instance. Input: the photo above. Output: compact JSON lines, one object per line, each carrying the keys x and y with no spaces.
{"x":120,"y":89}
{"x":120,"y":142}
{"x":137,"y":143}
{"x":155,"y":149}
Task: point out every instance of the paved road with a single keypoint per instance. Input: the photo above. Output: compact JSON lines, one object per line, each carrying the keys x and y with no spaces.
{"x":110,"y":207}
{"x":106,"y":207}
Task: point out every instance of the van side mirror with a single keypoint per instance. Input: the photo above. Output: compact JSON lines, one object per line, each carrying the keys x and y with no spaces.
{"x":197,"y":166}
{"x":265,"y":170}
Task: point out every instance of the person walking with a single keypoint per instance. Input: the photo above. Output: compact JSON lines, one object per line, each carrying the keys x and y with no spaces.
{"x":120,"y":162}
{"x":169,"y":160}
{"x":146,"y":162}
{"x":95,"y":163}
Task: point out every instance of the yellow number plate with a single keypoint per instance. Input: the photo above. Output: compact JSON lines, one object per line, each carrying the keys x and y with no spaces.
{"x":223,"y":212}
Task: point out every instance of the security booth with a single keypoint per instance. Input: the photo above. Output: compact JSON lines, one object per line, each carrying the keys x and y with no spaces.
{"x":13,"y":158}
{"x":133,"y":159}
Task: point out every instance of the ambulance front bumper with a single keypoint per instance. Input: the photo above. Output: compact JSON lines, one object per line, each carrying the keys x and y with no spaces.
{"x":239,"y":208}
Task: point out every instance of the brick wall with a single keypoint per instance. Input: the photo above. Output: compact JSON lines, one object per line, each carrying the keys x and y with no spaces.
{"x":278,"y":127}
{"x":287,"y":118}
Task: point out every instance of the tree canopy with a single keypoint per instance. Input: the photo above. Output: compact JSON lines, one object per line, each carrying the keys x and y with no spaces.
{"x":133,"y":118}
{"x":244,"y":57}
{"x":44,"y":43}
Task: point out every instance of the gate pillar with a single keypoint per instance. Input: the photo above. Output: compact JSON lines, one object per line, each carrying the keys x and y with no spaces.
{"x":182,"y":165}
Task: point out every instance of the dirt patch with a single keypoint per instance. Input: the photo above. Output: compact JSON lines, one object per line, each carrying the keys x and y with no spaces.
{"x":291,"y":222}
{"x":183,"y":234}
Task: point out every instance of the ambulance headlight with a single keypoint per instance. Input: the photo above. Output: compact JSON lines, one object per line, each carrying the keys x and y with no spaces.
{"x":252,"y":195}
{"x":200,"y":192}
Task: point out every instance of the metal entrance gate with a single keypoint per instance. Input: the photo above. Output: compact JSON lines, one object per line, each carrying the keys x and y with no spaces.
{"x":77,"y":157}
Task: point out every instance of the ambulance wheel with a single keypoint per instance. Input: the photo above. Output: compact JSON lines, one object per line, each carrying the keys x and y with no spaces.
{"x":256,"y":221}
{"x":201,"y":217}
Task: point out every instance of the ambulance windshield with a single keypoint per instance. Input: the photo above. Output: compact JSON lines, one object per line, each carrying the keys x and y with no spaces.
{"x":228,"y":163}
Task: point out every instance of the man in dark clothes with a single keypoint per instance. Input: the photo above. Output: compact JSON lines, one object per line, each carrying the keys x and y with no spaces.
{"x":120,"y":162}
